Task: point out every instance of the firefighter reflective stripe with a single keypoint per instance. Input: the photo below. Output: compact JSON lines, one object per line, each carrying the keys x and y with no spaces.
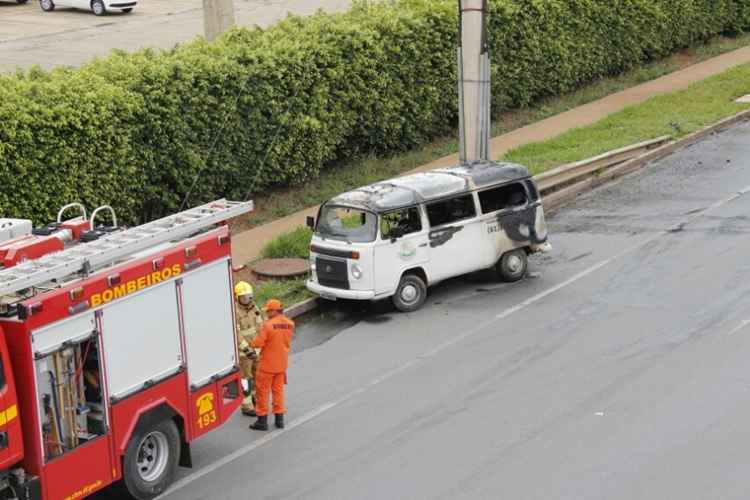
{"x":8,"y":415}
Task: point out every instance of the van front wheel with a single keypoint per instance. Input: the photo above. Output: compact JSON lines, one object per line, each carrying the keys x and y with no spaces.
{"x":97,"y":6}
{"x":512,"y":265}
{"x":410,"y":294}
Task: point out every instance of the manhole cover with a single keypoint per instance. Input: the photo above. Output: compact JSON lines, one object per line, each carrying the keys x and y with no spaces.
{"x":281,"y":268}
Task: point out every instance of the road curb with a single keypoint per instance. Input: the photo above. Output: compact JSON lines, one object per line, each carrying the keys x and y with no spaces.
{"x":301,"y":308}
{"x":559,"y":198}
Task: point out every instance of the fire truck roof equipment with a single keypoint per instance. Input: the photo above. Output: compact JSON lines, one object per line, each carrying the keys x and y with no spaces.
{"x":113,"y":248}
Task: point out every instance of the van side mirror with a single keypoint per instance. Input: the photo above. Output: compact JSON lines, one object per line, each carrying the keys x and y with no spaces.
{"x":311,"y":222}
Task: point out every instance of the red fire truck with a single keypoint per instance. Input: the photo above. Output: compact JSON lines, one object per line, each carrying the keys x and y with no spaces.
{"x":117,"y":349}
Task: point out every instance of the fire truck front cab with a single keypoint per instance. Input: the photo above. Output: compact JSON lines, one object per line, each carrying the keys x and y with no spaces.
{"x":11,"y":435}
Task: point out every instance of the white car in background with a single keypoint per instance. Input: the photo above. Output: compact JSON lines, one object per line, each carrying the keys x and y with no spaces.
{"x":98,"y":7}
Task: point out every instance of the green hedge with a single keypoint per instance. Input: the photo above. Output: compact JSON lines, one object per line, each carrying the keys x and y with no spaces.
{"x":134,"y":130}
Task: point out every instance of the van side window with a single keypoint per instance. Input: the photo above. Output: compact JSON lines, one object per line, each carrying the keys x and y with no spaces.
{"x":451,"y":210}
{"x":500,"y":198}
{"x":400,"y":223}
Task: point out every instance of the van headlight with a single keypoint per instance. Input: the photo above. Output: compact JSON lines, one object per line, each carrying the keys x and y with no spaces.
{"x":356,"y":271}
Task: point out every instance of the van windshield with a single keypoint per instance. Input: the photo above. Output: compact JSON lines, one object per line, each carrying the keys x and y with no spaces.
{"x":346,"y":224}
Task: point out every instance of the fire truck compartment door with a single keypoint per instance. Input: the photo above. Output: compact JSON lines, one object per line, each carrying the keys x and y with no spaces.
{"x":51,"y":338}
{"x":141,"y":337}
{"x":208,"y":322}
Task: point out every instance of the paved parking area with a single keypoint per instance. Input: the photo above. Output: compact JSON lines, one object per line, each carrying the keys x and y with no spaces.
{"x":29,"y":36}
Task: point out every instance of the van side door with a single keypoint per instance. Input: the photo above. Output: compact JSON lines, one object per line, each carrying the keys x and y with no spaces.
{"x":455,"y":234}
{"x":402,"y":245}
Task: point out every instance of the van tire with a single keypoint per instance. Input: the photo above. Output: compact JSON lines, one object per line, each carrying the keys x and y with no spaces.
{"x":512,"y":266}
{"x":162,"y":441}
{"x":98,"y":8}
{"x":47,"y":5}
{"x":410,"y":294}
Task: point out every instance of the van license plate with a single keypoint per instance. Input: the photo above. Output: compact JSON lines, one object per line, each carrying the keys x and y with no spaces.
{"x":327,"y":296}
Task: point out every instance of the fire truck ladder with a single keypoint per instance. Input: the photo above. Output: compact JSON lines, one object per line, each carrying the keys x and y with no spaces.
{"x":116,"y":246}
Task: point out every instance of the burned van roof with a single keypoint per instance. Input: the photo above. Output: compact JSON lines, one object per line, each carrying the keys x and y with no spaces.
{"x":489,"y":173}
{"x":425,"y":186}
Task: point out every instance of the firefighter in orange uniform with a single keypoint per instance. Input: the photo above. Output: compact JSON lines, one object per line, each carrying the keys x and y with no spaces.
{"x":249,"y":323}
{"x":274,"y":342}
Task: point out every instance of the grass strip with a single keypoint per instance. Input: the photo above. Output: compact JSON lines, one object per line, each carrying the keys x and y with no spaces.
{"x":289,"y":292}
{"x":676,"y":114}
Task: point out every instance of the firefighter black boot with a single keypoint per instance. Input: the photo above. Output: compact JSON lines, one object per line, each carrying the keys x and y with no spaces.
{"x":261,"y":424}
{"x":279,"y":420}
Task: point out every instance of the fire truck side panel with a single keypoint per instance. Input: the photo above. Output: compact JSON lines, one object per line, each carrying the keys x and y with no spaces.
{"x":142,"y":339}
{"x":126,"y":413}
{"x":79,"y":472}
{"x":208,"y":323}
{"x":11,"y":437}
{"x":51,"y":338}
{"x":214,"y":403}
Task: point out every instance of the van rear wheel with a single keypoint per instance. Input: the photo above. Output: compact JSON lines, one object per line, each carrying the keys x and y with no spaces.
{"x":151,"y":459}
{"x":512,"y":265}
{"x":410,"y":294}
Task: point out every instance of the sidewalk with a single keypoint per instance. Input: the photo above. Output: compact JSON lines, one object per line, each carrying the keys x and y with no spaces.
{"x":248,"y":244}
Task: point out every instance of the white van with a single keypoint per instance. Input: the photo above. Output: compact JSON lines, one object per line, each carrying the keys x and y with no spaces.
{"x":395,"y":238}
{"x":98,"y":7}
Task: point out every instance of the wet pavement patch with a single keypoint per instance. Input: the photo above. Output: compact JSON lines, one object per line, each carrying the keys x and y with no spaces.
{"x":376,"y":320}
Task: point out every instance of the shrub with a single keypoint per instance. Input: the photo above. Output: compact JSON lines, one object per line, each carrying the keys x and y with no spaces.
{"x":263,"y":108}
{"x":289,"y":245}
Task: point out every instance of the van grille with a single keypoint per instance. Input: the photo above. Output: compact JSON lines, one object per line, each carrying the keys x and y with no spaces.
{"x":332,"y":273}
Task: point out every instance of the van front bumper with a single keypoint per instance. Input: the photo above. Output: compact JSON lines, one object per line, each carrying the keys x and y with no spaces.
{"x":335,"y":293}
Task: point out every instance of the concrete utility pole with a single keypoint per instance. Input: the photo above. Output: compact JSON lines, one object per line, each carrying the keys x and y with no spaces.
{"x":218,"y":16}
{"x":474,"y":82}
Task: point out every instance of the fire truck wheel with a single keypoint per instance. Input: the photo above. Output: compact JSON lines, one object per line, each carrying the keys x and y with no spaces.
{"x":512,"y":266}
{"x":151,"y":459}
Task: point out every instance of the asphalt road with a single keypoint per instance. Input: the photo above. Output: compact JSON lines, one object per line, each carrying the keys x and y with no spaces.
{"x":618,"y":370}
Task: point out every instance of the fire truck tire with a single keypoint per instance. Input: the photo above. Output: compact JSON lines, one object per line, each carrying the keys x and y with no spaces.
{"x":151,"y":459}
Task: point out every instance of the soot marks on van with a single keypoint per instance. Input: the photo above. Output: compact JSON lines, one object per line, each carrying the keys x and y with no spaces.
{"x":521,"y":226}
{"x":442,"y":236}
